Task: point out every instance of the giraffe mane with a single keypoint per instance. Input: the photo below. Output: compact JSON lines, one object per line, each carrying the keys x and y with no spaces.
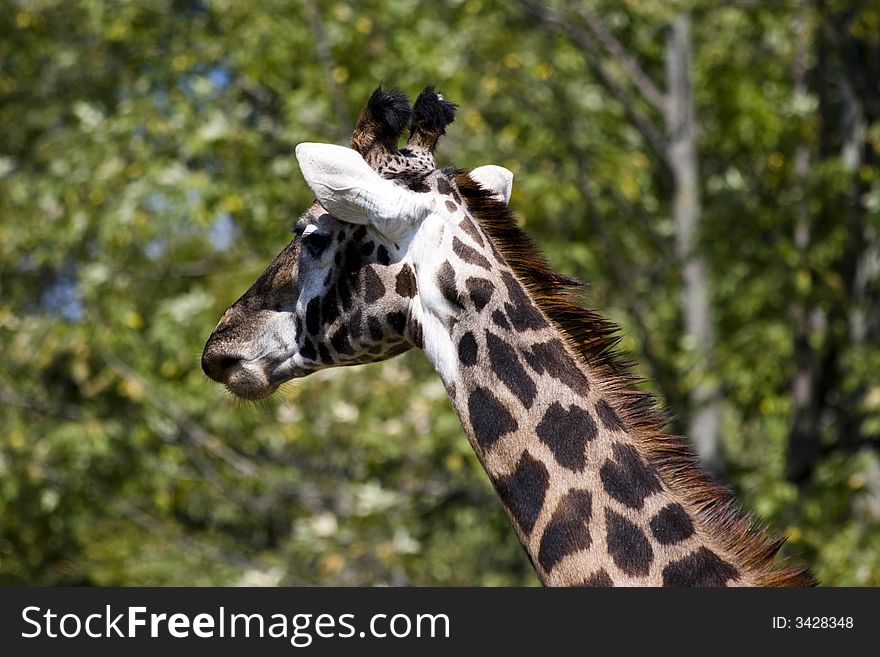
{"x":594,"y":339}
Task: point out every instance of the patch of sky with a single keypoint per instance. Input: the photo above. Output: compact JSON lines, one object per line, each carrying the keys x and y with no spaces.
{"x":156,"y":202}
{"x":155,"y":249}
{"x":219,"y":76}
{"x":222,"y":232}
{"x":63,"y":298}
{"x":205,"y":82}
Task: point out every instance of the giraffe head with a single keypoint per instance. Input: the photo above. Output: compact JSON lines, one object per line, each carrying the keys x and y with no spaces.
{"x":346,"y":289}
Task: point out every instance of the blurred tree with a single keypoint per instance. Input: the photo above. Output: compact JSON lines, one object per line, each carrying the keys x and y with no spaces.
{"x":830,"y":327}
{"x":676,"y":151}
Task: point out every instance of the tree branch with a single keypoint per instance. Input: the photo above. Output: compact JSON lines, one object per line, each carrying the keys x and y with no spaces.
{"x":9,"y":397}
{"x":189,"y":426}
{"x":621,"y":272}
{"x":558,"y":23}
{"x":153,"y":526}
{"x":324,"y":53}
{"x":649,"y":91}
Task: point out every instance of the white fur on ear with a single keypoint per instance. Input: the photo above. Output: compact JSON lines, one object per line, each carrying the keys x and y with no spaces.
{"x":351,"y":191}
{"x":495,"y":179}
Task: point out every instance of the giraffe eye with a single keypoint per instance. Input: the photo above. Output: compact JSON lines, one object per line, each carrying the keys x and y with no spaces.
{"x":315,"y":242}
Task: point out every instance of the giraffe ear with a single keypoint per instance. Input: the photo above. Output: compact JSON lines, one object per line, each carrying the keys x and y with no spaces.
{"x":495,"y":179}
{"x":351,"y":191}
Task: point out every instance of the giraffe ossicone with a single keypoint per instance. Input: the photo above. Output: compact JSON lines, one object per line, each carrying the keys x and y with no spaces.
{"x":396,"y":253}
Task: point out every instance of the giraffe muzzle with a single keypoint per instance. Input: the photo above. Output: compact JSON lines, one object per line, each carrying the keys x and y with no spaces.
{"x":245,"y":378}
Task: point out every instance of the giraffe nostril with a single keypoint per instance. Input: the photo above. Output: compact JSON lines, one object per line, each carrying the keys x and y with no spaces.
{"x":219,"y":366}
{"x":228,"y":363}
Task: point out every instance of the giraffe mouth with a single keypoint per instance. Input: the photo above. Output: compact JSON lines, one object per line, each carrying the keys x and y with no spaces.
{"x":250,"y":381}
{"x":260,"y":378}
{"x":251,"y":394}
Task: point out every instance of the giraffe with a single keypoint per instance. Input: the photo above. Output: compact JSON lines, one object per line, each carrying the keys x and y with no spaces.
{"x":397,"y":254}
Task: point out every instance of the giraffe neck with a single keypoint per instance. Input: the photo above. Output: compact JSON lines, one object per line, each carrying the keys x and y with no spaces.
{"x":585,"y":503}
{"x":565,"y":441}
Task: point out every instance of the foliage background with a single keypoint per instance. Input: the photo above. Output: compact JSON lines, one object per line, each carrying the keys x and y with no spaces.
{"x":147,"y":176}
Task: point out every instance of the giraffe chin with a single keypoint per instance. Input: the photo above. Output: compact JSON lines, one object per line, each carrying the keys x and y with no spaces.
{"x":252,"y":394}
{"x":250,"y":385}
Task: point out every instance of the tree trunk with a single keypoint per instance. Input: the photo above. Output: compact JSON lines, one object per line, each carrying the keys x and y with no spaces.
{"x":699,"y":334}
{"x":845,"y":78}
{"x":808,"y":320}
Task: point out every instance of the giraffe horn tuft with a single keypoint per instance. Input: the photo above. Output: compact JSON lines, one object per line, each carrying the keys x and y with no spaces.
{"x":381,"y":122}
{"x":432,"y":113}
